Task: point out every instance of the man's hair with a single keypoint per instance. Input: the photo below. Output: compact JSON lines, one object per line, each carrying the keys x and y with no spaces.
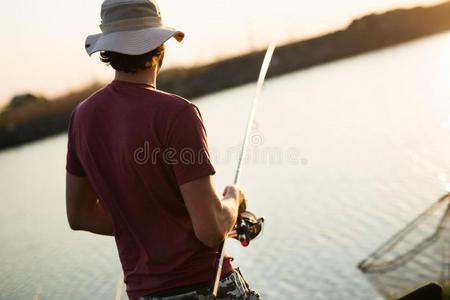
{"x":133,"y":63}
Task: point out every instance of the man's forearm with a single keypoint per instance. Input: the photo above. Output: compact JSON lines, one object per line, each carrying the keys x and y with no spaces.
{"x":96,"y":221}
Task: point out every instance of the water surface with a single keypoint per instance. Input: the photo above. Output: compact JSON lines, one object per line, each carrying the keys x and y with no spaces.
{"x":342,"y":156}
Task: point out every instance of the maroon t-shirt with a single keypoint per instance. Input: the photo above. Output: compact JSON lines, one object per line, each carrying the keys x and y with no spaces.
{"x":137,"y":145}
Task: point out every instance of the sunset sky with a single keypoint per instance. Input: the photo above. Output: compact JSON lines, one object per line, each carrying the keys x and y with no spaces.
{"x":42,"y":43}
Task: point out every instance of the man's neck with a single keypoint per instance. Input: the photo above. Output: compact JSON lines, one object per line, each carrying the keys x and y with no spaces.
{"x":146,"y":77}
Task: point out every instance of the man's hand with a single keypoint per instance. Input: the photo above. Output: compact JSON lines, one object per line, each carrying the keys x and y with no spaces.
{"x":233,"y":191}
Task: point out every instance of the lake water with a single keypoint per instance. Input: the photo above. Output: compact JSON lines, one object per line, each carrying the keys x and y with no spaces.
{"x":342,"y":156}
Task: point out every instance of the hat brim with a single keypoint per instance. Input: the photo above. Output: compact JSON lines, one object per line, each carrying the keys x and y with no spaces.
{"x":131,"y":42}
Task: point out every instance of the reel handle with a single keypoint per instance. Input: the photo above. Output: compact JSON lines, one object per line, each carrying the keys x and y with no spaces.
{"x":247,"y":228}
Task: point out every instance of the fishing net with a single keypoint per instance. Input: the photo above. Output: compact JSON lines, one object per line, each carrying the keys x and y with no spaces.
{"x":417,"y":255}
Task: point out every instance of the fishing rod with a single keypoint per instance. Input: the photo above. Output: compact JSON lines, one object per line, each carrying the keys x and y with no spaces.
{"x":248,"y":226}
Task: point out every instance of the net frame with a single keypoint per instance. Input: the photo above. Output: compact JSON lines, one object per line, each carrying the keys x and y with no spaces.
{"x":376,"y":266}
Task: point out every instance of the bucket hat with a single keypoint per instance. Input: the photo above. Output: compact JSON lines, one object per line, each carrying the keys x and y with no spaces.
{"x":132,"y":27}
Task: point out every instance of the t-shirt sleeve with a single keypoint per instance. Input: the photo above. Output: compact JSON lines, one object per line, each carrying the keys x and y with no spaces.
{"x":73,"y":164}
{"x":187,"y":151}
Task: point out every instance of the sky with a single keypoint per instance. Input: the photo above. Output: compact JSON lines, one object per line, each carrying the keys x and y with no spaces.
{"x":42,"y":44}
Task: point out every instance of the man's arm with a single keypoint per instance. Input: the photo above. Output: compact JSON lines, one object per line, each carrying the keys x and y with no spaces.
{"x":84,"y":211}
{"x":211,"y":217}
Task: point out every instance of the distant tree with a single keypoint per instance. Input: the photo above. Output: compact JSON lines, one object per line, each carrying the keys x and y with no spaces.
{"x":24,"y":99}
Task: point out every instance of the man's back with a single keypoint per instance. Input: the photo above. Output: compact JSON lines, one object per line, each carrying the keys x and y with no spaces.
{"x":137,"y":146}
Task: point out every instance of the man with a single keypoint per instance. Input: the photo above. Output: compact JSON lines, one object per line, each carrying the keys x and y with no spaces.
{"x":138,"y":167}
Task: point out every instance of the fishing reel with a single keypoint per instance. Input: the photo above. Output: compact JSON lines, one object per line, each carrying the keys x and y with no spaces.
{"x":247,"y":228}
